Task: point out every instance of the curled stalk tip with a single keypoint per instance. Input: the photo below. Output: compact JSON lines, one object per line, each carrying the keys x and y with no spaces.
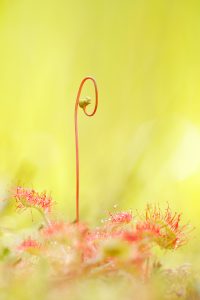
{"x":82,"y":104}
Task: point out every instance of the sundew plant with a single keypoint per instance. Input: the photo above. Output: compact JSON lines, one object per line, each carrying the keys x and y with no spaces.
{"x":69,"y":259}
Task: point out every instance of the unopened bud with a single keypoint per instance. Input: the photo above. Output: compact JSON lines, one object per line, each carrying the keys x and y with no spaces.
{"x":84,"y":102}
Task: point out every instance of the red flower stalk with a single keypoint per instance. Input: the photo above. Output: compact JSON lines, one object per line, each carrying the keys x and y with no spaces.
{"x":83,"y":104}
{"x":30,"y":198}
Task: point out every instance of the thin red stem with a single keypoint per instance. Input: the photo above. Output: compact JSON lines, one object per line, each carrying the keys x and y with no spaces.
{"x":76,"y":133}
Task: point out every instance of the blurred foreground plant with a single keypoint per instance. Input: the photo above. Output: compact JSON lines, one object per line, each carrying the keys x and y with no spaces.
{"x":121,"y":247}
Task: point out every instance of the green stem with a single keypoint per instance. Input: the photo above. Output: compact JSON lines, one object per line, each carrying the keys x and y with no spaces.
{"x":46,"y":219}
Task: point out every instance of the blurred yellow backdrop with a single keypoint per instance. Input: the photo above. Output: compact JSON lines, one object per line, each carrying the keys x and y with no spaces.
{"x":143,"y":145}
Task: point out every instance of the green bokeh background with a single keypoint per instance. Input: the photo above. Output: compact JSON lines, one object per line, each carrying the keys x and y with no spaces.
{"x":143,"y":145}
